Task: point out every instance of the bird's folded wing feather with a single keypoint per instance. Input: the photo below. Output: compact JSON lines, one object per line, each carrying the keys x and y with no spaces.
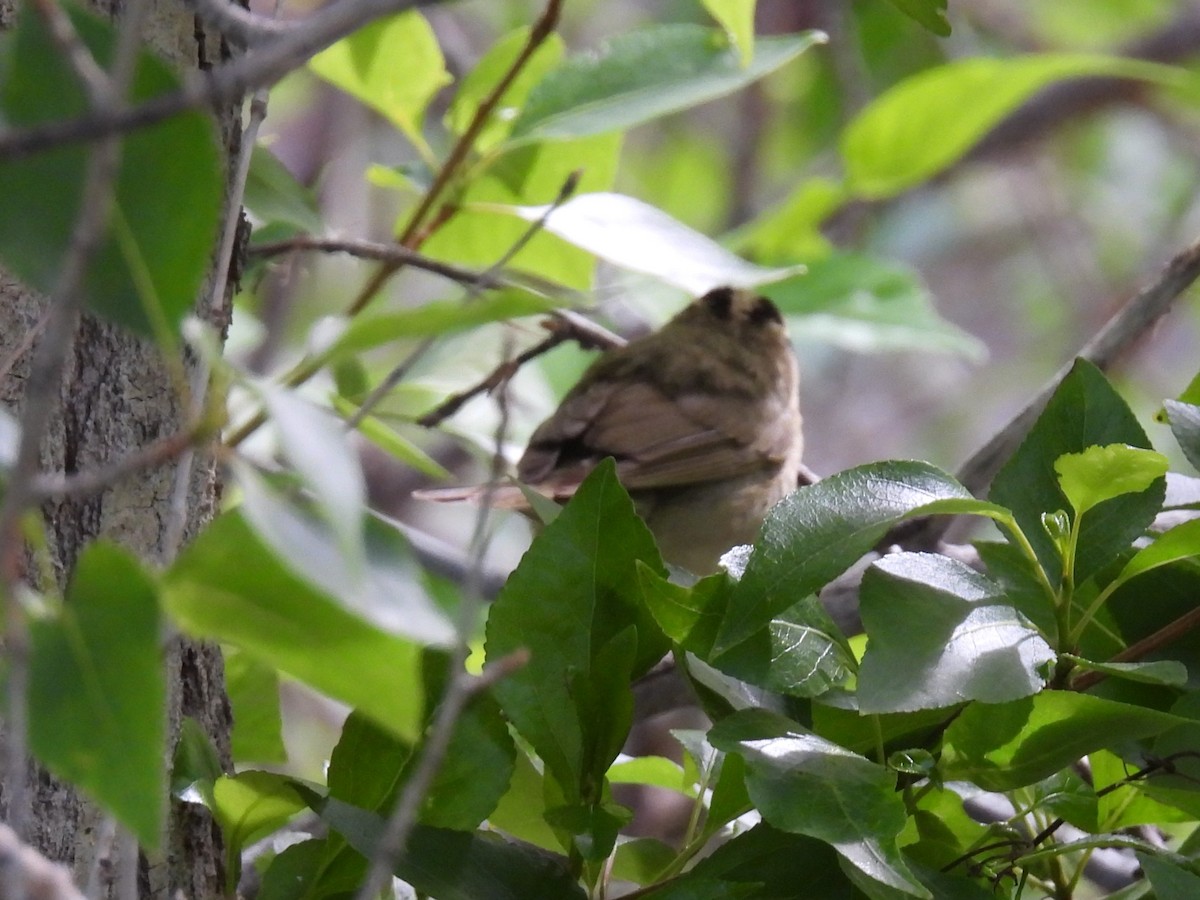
{"x":657,"y":441}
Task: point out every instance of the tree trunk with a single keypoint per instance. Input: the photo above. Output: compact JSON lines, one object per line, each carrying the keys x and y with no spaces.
{"x":116,"y":397}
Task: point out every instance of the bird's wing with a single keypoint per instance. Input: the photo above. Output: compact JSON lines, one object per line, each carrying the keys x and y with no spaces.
{"x":657,"y":441}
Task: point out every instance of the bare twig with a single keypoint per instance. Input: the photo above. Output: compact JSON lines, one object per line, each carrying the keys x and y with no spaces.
{"x":1168,"y":634}
{"x":541,"y":30}
{"x":473,"y":289}
{"x":241,"y":26}
{"x":1122,"y":330}
{"x":225,"y":83}
{"x":91,"y":481}
{"x":461,"y":688}
{"x":45,"y":376}
{"x":363,"y":249}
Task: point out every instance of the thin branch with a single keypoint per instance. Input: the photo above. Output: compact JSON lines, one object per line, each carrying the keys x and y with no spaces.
{"x":92,"y":481}
{"x":390,"y":253}
{"x":241,"y":26}
{"x":541,"y":30}
{"x":393,"y":378}
{"x":223,"y":84}
{"x":40,"y":877}
{"x":462,"y":687}
{"x":71,"y":48}
{"x":38,"y":403}
{"x":1166,"y":635}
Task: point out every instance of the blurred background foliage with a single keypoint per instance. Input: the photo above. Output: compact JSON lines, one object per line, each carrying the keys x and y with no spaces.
{"x":1024,"y":247}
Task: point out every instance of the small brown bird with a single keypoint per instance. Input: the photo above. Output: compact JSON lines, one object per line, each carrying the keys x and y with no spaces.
{"x":702,"y":418}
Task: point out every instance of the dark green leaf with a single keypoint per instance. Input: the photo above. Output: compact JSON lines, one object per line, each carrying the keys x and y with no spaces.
{"x":778,"y":862}
{"x":1180,"y":542}
{"x":1008,"y":745}
{"x":1168,"y":672}
{"x":148,"y":270}
{"x":929,"y":13}
{"x":459,"y":865}
{"x":804,"y":784}
{"x":867,"y":304}
{"x":1066,"y":795}
{"x":1185,"y":425}
{"x":1084,"y":411}
{"x":1170,"y":880}
{"x":574,"y":603}
{"x":646,"y":74}
{"x":819,"y":531}
{"x":293,"y":871}
{"x":287,"y":622}
{"x":97,"y":698}
{"x":941,"y":634}
{"x":253,"y":690}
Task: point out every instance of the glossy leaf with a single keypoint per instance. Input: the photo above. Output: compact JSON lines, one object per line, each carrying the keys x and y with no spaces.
{"x":287,"y":622}
{"x":645,"y":75}
{"x":770,"y":862}
{"x":1084,"y":411}
{"x":941,"y":634}
{"x":148,"y":270}
{"x":1008,"y":745}
{"x":394,"y":65}
{"x":1180,"y":542}
{"x":573,"y":602}
{"x":632,"y":234}
{"x":97,"y":697}
{"x":819,"y":531}
{"x":1096,"y":474}
{"x":804,"y":784}
{"x":250,"y":805}
{"x":869,"y":305}
{"x":1169,"y":672}
{"x":927,"y":122}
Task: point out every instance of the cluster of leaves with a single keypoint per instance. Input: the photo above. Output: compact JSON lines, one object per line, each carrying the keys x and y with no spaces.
{"x":827,"y":767}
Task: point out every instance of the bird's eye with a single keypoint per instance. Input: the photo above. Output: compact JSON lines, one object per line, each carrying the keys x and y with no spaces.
{"x":719,"y":301}
{"x":765,"y":311}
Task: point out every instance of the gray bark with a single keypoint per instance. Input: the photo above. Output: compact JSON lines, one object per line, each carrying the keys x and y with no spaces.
{"x":116,"y":397}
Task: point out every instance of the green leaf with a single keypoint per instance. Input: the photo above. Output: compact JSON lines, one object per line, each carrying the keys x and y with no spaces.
{"x":484,"y":864}
{"x":737,"y":18}
{"x":773,"y":863}
{"x":927,"y":122}
{"x":941,"y":634}
{"x":437,"y":317}
{"x":287,"y":622}
{"x":392,"y":442}
{"x":1185,"y":425}
{"x":1097,"y":474}
{"x":1180,"y":542}
{"x":483,"y":231}
{"x":634,"y":235}
{"x":97,"y":698}
{"x":573,"y":604}
{"x":521,"y":812}
{"x":792,"y":229}
{"x":393,"y":65}
{"x":250,"y":805}
{"x":803,"y":784}
{"x":646,"y":74}
{"x":148,"y":270}
{"x":688,"y":616}
{"x":274,"y":195}
{"x":819,"y":531}
{"x":929,"y":13}
{"x":656,"y":771}
{"x":483,"y":79}
{"x":1084,"y":411}
{"x":254,"y":696}
{"x":869,"y":305}
{"x":1169,"y":880}
{"x":386,"y":591}
{"x":1168,"y":672}
{"x":1008,"y":745}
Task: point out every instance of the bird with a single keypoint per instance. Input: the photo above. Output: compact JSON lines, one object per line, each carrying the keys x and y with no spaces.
{"x":702,"y":418}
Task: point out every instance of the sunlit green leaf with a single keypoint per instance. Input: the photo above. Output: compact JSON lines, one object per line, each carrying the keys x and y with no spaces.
{"x":1097,"y":474}
{"x":737,"y":18}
